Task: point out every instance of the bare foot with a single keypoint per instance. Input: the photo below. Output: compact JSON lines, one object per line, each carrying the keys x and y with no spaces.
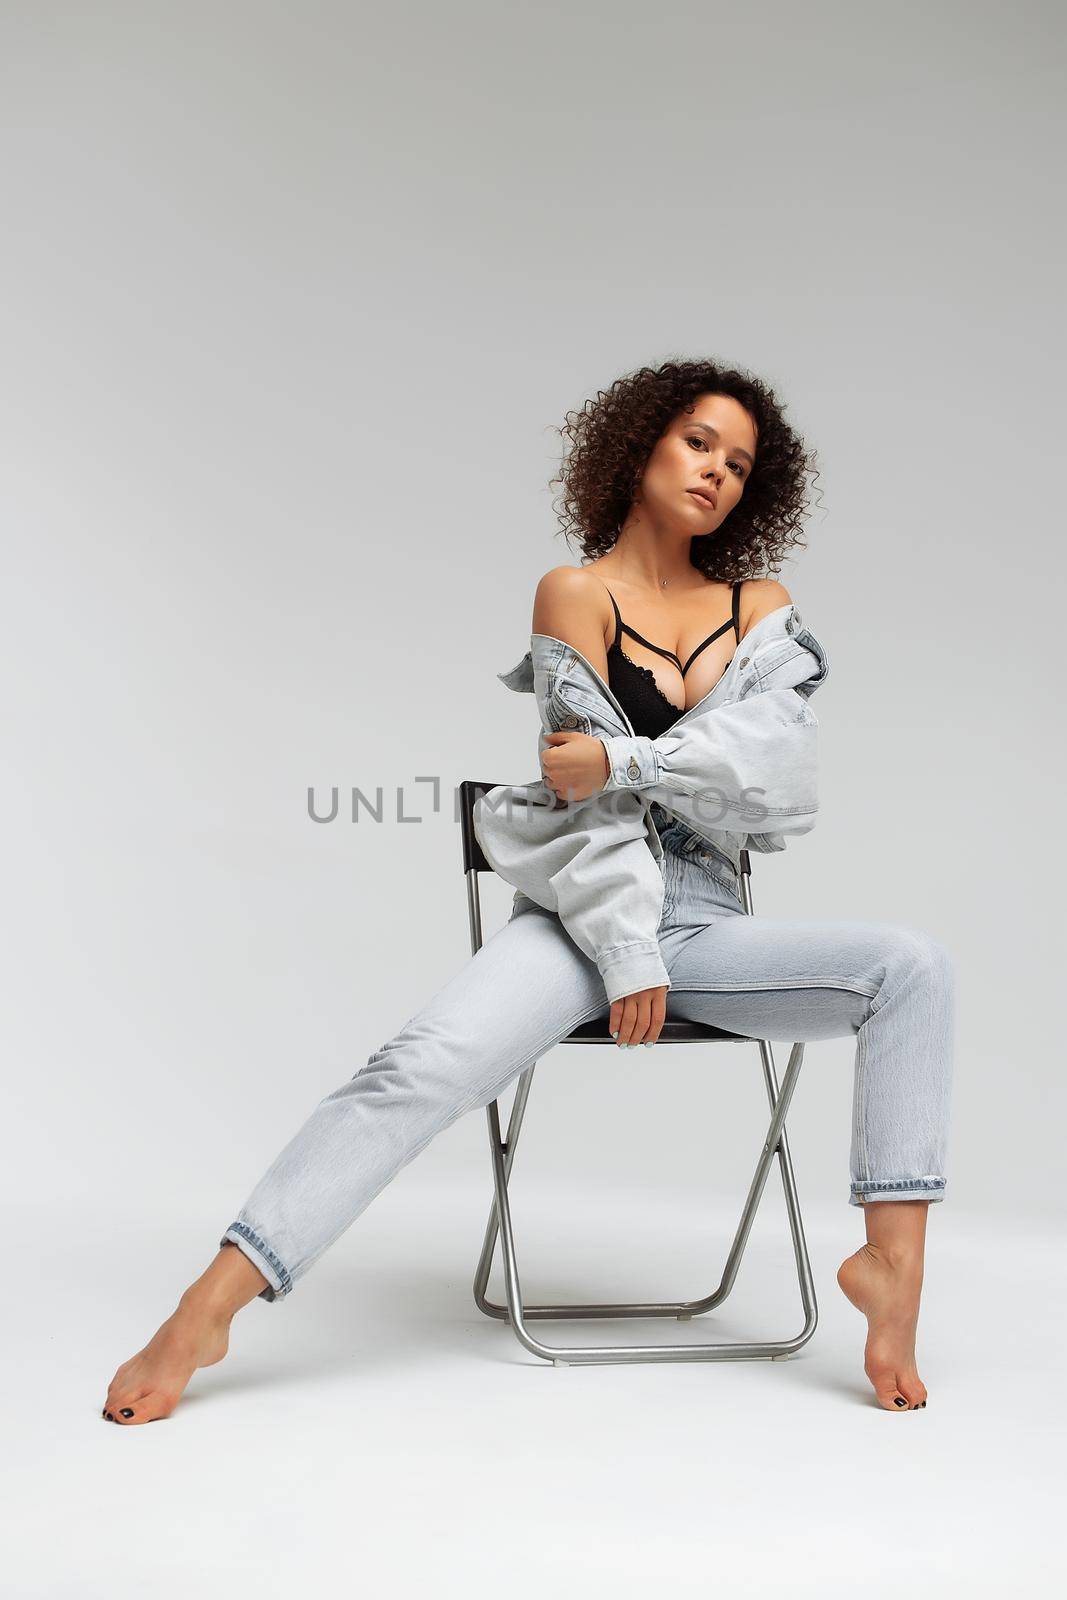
{"x":887,"y":1291}
{"x":150,"y":1384}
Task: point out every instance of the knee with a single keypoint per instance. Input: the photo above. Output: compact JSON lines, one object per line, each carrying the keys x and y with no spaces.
{"x":425,"y":1064}
{"x":923,"y":957}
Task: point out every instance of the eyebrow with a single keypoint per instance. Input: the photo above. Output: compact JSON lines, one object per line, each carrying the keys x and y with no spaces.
{"x":709,"y":429}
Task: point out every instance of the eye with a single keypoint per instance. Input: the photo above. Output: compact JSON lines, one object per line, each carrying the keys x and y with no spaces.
{"x":696,"y":439}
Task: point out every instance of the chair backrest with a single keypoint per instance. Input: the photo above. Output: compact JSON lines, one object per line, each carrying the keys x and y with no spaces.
{"x":473,"y":856}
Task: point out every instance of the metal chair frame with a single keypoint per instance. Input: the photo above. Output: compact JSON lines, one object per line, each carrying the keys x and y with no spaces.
{"x":503,"y":1156}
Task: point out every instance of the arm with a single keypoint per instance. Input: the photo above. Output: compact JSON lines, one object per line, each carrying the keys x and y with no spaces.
{"x":590,"y":863}
{"x":749,"y":767}
{"x":572,"y":605}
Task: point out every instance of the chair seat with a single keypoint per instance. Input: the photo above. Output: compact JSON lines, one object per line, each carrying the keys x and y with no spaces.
{"x":676,"y":1030}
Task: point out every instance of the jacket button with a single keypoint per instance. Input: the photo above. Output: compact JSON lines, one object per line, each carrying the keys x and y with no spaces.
{"x":570,"y":722}
{"x":744,"y":661}
{"x":633,"y":771}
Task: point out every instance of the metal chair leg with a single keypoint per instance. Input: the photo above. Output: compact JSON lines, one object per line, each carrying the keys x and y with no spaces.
{"x":503,"y":1155}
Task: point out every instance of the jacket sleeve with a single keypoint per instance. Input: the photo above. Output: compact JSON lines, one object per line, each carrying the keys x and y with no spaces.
{"x":750,"y":766}
{"x":591,"y":864}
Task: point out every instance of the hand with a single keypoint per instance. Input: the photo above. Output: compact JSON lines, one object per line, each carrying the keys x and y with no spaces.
{"x":639,"y":1017}
{"x":575,"y":766}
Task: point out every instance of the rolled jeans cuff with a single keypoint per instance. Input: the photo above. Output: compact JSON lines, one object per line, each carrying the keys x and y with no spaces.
{"x":262,"y":1257}
{"x":628,"y":968}
{"x":928,"y":1188}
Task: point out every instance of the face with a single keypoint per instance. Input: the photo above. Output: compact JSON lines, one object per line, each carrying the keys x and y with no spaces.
{"x":710,"y":448}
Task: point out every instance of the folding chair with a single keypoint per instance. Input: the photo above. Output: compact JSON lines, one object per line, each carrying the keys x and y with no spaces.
{"x":503,"y":1155}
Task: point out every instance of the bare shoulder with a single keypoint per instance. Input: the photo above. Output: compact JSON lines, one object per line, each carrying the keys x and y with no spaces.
{"x":566,"y":591}
{"x":563,"y":583}
{"x":571,"y":604}
{"x":759,"y":597}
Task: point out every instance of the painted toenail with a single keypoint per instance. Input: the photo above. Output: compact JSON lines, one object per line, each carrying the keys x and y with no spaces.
{"x":109,"y":1417}
{"x":899,"y":1402}
{"x":125,"y":1412}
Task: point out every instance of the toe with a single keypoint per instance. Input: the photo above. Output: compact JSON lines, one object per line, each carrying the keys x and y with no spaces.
{"x":913,"y":1389}
{"x":122,"y":1397}
{"x":119,"y":1392}
{"x":146,"y":1408}
{"x":125,"y":1405}
{"x":887,"y":1391}
{"x":112,"y":1405}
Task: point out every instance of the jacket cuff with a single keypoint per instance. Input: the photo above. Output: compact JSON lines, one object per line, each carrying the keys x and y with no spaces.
{"x":628,"y":968}
{"x":632,"y":762}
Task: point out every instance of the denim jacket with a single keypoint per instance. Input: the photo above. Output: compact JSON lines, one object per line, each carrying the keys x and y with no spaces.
{"x":743,"y":758}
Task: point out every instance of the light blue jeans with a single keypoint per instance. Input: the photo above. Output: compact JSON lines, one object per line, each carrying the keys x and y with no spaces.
{"x":529,"y":985}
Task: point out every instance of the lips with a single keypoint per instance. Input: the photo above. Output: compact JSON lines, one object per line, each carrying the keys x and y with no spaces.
{"x":707,"y":495}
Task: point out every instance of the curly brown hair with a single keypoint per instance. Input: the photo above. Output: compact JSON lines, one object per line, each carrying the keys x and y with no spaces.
{"x":613,"y":435}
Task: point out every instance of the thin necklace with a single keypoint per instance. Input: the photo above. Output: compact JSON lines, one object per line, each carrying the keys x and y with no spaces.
{"x":662,"y":582}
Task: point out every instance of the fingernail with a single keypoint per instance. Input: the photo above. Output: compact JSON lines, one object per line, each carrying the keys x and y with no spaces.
{"x":125,"y":1412}
{"x":614,"y":1033}
{"x":899,"y":1402}
{"x":649,"y":1043}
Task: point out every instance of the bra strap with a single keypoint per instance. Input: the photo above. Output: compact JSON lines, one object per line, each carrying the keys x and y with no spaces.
{"x":737,"y":608}
{"x":618,"y":618}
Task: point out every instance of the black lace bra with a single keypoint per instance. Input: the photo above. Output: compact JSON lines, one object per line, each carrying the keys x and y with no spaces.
{"x":635,"y":687}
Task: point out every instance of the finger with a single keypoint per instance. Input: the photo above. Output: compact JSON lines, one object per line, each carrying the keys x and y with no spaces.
{"x":549,"y":780}
{"x":658,"y":1016}
{"x":626,"y":1024}
{"x":637,"y":1026}
{"x":644,"y":1017}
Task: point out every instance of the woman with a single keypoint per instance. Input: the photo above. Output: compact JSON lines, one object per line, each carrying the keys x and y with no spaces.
{"x":683,"y":482}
